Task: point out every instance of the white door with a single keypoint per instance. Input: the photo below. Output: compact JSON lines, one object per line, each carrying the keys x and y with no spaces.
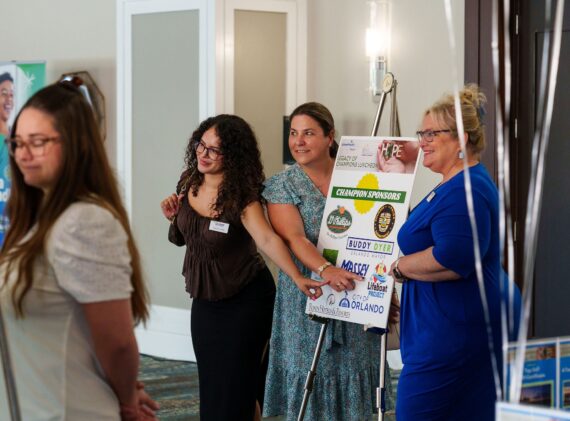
{"x":265,"y":68}
{"x":165,"y":73}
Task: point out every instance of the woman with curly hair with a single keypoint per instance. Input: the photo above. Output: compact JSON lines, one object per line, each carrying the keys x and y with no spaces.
{"x":221,"y":222}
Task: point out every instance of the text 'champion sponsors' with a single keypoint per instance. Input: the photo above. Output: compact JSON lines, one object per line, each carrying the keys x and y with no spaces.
{"x":369,"y":194}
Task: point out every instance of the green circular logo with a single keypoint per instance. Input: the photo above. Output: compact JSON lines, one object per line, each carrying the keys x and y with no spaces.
{"x":339,"y":220}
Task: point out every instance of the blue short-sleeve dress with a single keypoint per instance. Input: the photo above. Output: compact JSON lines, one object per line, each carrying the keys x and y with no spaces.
{"x":348,"y":369}
{"x":447,"y":372}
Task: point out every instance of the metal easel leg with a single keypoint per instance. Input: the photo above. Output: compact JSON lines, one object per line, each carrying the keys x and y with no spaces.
{"x":388,"y":85}
{"x":8,"y":373}
{"x":313,"y":371}
{"x":381,"y":389}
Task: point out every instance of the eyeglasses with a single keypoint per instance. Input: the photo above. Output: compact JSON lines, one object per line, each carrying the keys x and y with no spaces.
{"x":213,"y":153}
{"x":36,"y":146}
{"x":429,"y":135}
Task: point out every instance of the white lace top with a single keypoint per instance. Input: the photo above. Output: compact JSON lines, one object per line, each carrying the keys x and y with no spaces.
{"x":57,"y":374}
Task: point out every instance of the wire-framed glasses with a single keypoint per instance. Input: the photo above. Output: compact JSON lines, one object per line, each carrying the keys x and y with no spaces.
{"x":429,"y":135}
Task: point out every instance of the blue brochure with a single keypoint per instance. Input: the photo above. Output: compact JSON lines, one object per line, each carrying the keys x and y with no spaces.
{"x":539,"y":385}
{"x":564,"y":389}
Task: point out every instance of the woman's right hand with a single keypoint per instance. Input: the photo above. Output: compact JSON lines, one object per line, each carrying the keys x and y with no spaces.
{"x":171,"y":205}
{"x":340,"y":279}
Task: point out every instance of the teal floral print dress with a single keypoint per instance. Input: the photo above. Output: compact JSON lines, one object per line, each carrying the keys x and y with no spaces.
{"x":348,"y":368}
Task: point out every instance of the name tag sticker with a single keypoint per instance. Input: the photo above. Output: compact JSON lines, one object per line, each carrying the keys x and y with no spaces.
{"x":218,"y":226}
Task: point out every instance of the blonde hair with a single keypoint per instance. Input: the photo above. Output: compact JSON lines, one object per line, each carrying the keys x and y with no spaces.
{"x":472,"y":102}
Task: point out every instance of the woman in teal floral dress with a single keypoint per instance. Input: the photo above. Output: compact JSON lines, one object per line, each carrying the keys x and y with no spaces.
{"x":348,"y":368}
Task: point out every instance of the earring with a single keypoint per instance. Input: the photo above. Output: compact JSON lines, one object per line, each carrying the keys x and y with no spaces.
{"x":461,"y":155}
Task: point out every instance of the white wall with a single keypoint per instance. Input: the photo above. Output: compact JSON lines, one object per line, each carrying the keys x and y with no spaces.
{"x":260,"y":79}
{"x":81,"y":35}
{"x":70,"y":35}
{"x":421,"y":62}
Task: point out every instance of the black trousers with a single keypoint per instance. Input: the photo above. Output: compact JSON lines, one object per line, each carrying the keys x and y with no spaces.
{"x":230,"y":337}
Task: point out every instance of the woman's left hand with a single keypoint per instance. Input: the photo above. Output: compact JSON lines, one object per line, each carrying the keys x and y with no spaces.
{"x":144,"y":408}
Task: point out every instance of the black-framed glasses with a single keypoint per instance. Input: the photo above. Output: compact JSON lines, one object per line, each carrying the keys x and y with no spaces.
{"x":36,"y":146}
{"x":213,"y":153}
{"x":429,"y":135}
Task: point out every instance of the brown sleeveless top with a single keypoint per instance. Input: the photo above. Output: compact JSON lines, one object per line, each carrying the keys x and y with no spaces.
{"x":217,"y":265}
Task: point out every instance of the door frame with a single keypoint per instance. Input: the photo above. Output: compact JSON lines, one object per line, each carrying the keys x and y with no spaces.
{"x":296,"y":54}
{"x":126,"y":10}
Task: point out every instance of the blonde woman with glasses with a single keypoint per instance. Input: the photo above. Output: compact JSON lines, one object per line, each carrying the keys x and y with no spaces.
{"x":448,"y":367}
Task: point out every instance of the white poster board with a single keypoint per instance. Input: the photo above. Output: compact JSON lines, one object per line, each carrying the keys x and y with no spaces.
{"x":367,"y":203}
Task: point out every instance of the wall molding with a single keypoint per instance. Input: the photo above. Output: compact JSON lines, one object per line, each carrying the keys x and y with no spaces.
{"x":166,"y":334}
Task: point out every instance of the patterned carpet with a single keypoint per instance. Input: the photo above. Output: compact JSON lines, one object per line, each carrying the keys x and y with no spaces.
{"x":174,"y":384}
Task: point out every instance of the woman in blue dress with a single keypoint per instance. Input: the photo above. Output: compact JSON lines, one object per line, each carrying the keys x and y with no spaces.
{"x":448,"y":372}
{"x":348,"y":368}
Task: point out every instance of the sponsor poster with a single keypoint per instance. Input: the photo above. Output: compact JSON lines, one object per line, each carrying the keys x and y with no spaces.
{"x":539,"y":380}
{"x":516,"y":412}
{"x":367,"y":203}
{"x":564,"y":395}
{"x":18,"y":81}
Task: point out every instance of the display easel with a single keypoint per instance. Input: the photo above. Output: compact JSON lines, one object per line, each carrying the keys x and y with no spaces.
{"x":388,"y":87}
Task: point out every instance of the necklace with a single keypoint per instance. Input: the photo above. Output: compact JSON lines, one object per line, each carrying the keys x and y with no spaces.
{"x":321,"y":185}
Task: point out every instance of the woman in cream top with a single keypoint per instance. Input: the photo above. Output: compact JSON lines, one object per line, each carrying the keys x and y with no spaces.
{"x":55,"y":365}
{"x":70,"y":278}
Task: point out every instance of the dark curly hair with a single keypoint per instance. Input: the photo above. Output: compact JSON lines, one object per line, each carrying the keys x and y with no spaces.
{"x":241,"y":164}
